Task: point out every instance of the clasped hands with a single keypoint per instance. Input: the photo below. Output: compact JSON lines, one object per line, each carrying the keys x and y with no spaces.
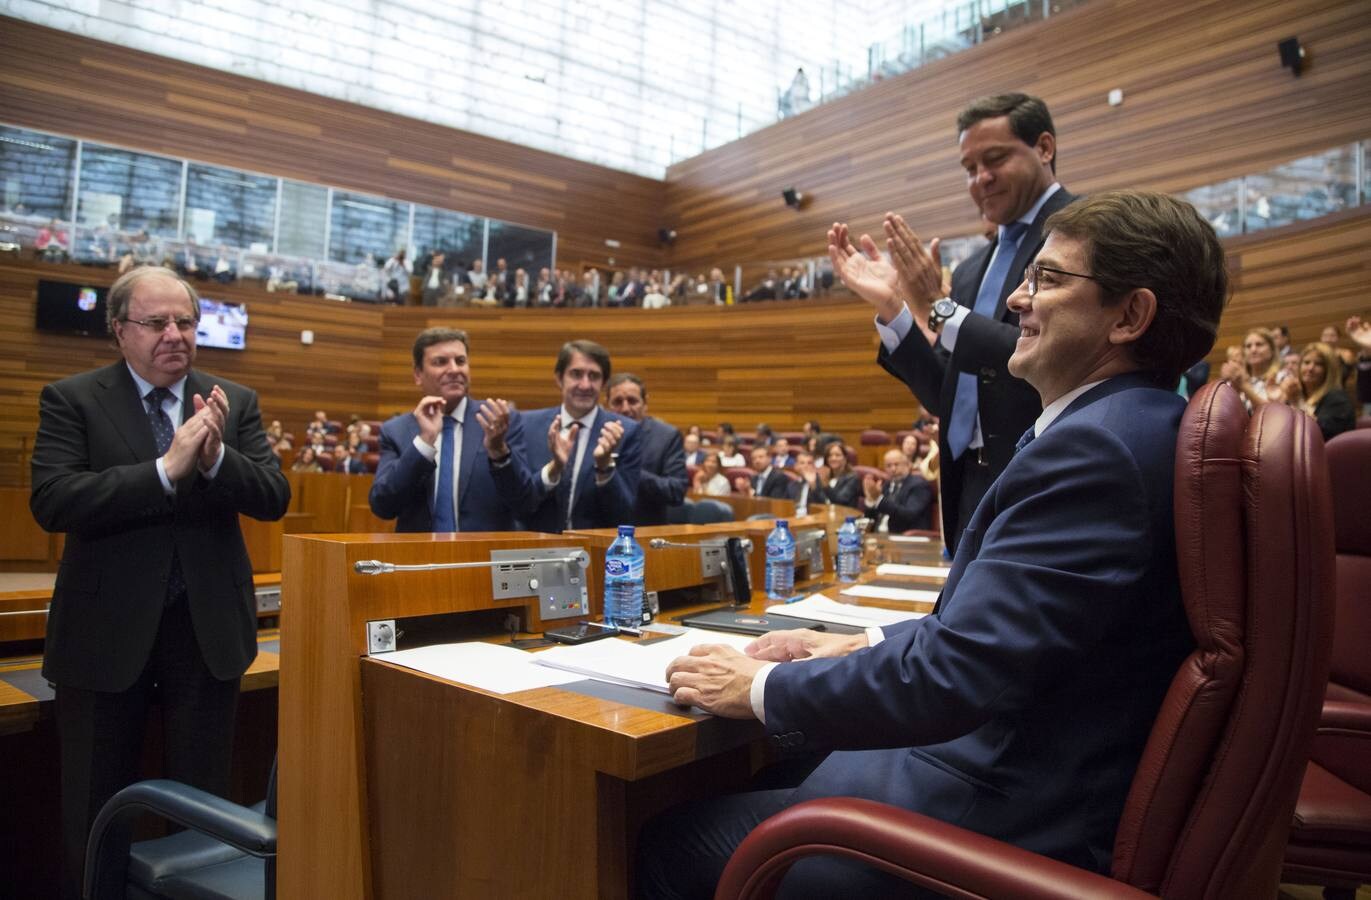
{"x":912,"y":274}
{"x":562,"y":447}
{"x":493,"y":415}
{"x":200,"y":438}
{"x":718,"y":679}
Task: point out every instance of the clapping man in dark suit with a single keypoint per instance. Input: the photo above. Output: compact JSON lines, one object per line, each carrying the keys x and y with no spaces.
{"x":447,"y":466}
{"x":146,"y":465}
{"x":662,"y":473}
{"x":1009,"y":153}
{"x":903,"y":502}
{"x":766,"y":481}
{"x":1020,"y":707}
{"x":575,"y":465}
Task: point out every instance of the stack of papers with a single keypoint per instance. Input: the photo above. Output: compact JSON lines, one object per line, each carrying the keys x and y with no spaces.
{"x":632,"y":664}
{"x":937,"y":572}
{"x":822,"y":609}
{"x":911,"y":539}
{"x":490,"y":667}
{"x":907,"y":595}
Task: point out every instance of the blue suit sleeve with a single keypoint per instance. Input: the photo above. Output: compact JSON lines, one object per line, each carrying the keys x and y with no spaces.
{"x":1067,"y":559}
{"x":399,"y":472}
{"x":616,"y":498}
{"x":667,"y":488}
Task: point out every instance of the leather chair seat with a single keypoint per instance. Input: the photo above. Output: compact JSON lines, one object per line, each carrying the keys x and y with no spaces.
{"x":234,"y":879}
{"x":1330,"y":810}
{"x":153,"y":862}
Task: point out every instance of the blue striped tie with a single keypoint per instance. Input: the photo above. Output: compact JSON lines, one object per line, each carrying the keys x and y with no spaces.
{"x":965,"y":404}
{"x":444,"y":517}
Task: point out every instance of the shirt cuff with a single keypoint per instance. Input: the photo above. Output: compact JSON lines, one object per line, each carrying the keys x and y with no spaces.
{"x":214,"y":469}
{"x":167,"y":486}
{"x":601,"y":480}
{"x":948,"y":336}
{"x":874,"y":635}
{"x":894,"y":333}
{"x":759,"y":691}
{"x":426,"y":450}
{"x":548,"y":481}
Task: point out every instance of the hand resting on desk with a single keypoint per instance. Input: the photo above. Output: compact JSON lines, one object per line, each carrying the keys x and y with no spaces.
{"x":718,"y":679}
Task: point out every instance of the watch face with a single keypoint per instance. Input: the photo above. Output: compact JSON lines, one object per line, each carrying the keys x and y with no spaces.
{"x":945,"y":308}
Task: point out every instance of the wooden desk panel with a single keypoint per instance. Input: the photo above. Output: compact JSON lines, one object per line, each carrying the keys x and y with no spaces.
{"x":263,"y":540}
{"x":328,"y":495}
{"x":20,"y":536}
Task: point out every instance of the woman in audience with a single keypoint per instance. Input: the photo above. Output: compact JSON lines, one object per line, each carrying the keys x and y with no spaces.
{"x":729,"y":457}
{"x":395,"y":277}
{"x":1321,"y":393}
{"x":1347,"y":359}
{"x":1259,"y":371}
{"x":307,"y":461}
{"x":842,"y":485}
{"x":709,"y":479}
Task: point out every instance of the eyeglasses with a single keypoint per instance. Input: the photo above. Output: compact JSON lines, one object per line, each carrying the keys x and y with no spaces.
{"x":160,"y":323}
{"x":1034,"y":272}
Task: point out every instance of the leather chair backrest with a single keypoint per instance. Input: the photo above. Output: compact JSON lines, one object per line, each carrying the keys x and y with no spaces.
{"x":1211,"y":803}
{"x":1349,"y":461}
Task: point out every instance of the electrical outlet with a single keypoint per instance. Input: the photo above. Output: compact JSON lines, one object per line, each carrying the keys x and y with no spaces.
{"x":381,"y":636}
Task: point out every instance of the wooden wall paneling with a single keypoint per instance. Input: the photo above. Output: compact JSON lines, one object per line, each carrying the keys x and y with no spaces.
{"x":69,"y":84}
{"x":1204,"y":99}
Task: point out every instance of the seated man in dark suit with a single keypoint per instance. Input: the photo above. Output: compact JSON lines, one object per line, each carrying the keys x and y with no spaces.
{"x":445,"y":466}
{"x":1021,"y":706}
{"x":662,"y":474}
{"x":905,"y":502}
{"x":809,"y":488}
{"x":575,"y":465}
{"x":767,"y":481}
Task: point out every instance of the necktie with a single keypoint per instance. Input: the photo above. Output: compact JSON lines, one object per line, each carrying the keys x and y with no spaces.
{"x":1027,"y":439}
{"x":162,"y":429}
{"x":162,"y":432}
{"x":582,"y":434}
{"x":444,"y":515}
{"x":965,"y":403}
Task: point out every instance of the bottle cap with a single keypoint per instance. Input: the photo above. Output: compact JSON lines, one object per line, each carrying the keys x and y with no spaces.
{"x":850,"y":520}
{"x":626,"y":530}
{"x":782,"y":523}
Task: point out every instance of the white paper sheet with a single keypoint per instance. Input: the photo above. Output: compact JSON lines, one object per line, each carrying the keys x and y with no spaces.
{"x":919,"y":571}
{"x":911,"y":538}
{"x":626,"y":662}
{"x":888,"y":593}
{"x":490,"y":667}
{"x":823,"y":609}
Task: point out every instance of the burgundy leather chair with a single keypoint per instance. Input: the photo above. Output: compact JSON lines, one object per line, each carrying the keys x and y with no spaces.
{"x":1210,"y":805}
{"x":1330,"y":840}
{"x":874,"y":437}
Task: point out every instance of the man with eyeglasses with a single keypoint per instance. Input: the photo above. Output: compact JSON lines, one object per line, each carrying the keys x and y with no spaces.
{"x":145,"y":465}
{"x":1020,"y":707}
{"x":1009,"y":153}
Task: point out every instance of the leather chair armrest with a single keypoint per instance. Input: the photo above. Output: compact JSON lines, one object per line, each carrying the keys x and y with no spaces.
{"x":107,"y":850}
{"x":921,"y":850}
{"x":1342,"y":743}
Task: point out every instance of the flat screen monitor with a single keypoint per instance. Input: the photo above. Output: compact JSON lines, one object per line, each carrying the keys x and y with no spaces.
{"x":70,"y":308}
{"x":222,"y":325}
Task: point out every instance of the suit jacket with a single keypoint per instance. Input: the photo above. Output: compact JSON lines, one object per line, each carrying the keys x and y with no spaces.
{"x":95,"y":478}
{"x":846,"y":491}
{"x":540,"y":508}
{"x":1007,"y":405}
{"x":776,"y":485}
{"x":1020,"y":707}
{"x":909,"y":506}
{"x":662,"y":478}
{"x":404,"y":485}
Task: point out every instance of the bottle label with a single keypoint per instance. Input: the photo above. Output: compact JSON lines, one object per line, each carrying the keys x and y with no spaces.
{"x":776,"y":551}
{"x":616,"y":568}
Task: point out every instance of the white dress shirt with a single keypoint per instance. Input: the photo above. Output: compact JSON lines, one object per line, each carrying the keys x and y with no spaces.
{"x":431,"y":452}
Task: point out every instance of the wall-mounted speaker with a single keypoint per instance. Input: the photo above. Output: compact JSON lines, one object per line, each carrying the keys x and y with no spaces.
{"x":1292,"y":55}
{"x":792,"y":198}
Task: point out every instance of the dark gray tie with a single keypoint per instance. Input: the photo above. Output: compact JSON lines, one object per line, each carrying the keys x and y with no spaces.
{"x":162,"y":432}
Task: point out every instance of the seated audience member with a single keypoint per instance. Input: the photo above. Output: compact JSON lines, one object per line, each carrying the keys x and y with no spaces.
{"x":348,"y":460}
{"x":1258,"y":372}
{"x":781,"y":457}
{"x":699,"y":435}
{"x":842,"y":485}
{"x":590,"y":288}
{"x":317,"y":428}
{"x":768,"y":289}
{"x":1320,"y":391}
{"x":1281,"y":335}
{"x":395,"y":278}
{"x":1001,"y":710}
{"x":766,"y":481}
{"x":477,"y":277}
{"x":519,"y":295}
{"x":446,"y":466}
{"x":725,"y":428}
{"x":223,"y":270}
{"x":1347,"y":359}
{"x":662,"y":478}
{"x":504,"y":275}
{"x":276,"y":439}
{"x":616,"y":287}
{"x":1360,"y":332}
{"x":655,"y":298}
{"x":904,"y":502}
{"x":717,"y":288}
{"x":809,"y":489}
{"x":307,"y":461}
{"x":709,"y":479}
{"x":910,"y":446}
{"x":51,"y":242}
{"x":763,"y":437}
{"x":729,"y":456}
{"x":691,"y":445}
{"x":632,"y":290}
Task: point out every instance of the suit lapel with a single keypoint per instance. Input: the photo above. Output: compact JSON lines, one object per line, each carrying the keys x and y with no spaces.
{"x":126,"y":411}
{"x":472,"y":437}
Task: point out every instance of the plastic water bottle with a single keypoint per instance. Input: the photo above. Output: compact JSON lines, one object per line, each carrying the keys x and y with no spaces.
{"x":624,"y":581}
{"x":849,"y":550}
{"x":780,"y":562}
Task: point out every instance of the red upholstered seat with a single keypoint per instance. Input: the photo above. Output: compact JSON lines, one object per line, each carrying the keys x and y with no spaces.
{"x":874,"y":437}
{"x":1211,"y":802}
{"x":1330,"y":840}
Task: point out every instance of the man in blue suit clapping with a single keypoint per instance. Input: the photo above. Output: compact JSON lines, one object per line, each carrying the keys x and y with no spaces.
{"x":1020,"y":707}
{"x":447,"y":466}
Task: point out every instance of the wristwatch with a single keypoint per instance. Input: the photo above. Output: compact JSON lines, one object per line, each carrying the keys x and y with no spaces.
{"x":942,"y":311}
